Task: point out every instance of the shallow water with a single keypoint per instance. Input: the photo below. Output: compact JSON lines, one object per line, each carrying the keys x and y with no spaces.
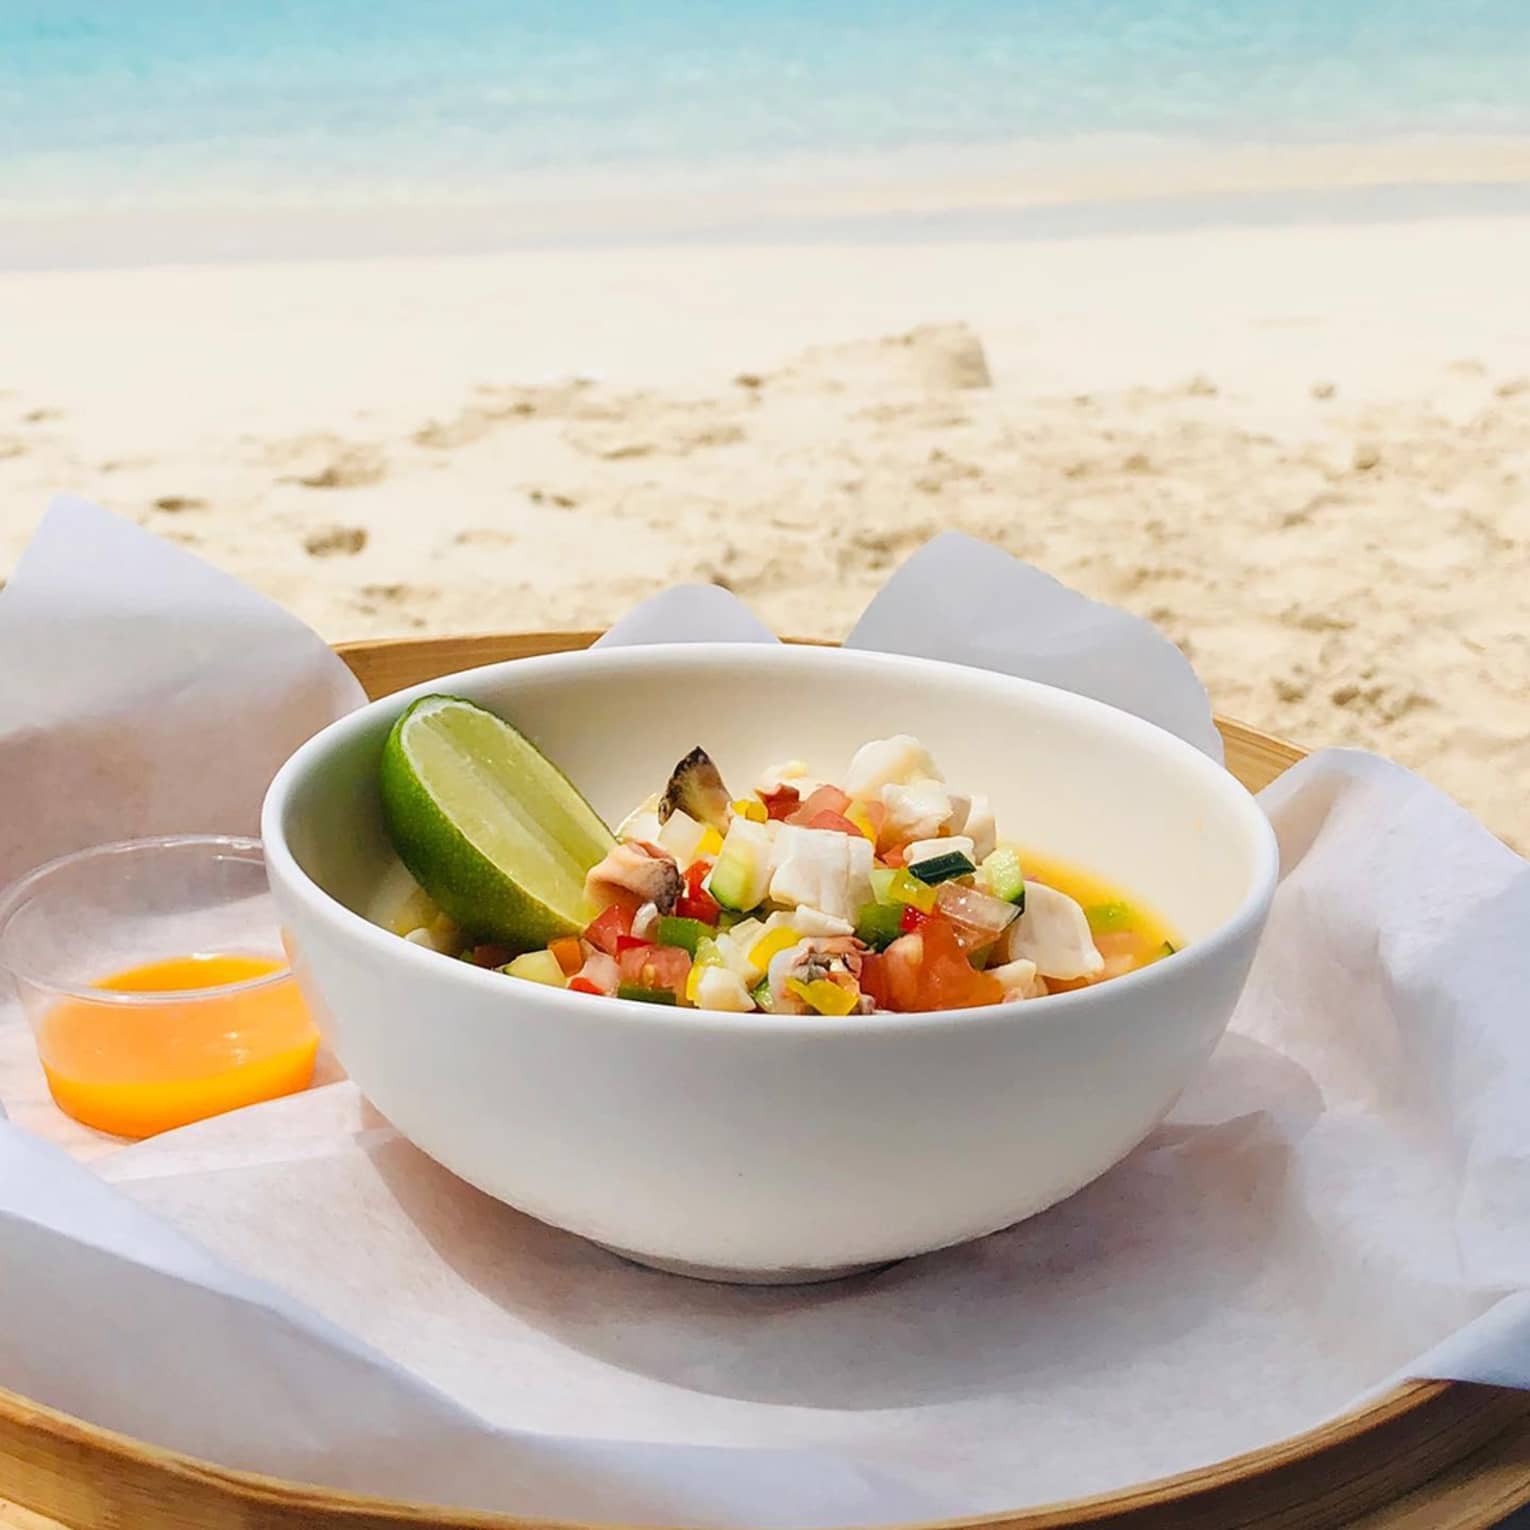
{"x":164,"y":101}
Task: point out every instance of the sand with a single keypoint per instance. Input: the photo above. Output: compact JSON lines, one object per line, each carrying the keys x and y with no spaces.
{"x":1303,"y":450}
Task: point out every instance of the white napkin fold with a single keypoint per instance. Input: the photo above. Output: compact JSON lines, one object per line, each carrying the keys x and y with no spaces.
{"x":1340,"y":1198}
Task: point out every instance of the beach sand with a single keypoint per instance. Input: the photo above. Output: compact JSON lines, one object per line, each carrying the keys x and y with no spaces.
{"x":1303,"y":450}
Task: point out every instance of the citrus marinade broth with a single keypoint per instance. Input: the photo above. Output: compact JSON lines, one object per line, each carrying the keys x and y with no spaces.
{"x":1128,"y":933}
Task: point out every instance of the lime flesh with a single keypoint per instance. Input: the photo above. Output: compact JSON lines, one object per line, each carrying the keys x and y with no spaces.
{"x":487,"y":825}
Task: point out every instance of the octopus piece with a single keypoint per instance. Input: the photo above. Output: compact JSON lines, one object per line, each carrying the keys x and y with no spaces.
{"x":639,"y":868}
{"x":836,"y":958}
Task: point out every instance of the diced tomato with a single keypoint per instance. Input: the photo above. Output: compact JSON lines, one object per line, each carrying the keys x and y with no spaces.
{"x":835,"y":821}
{"x":912,"y":918}
{"x":656,"y":967}
{"x":1122,"y":950}
{"x":901,"y":965}
{"x":892,"y":856}
{"x":874,"y":981}
{"x":782,"y":802}
{"x":947,"y":979}
{"x":827,"y":799}
{"x":584,"y":985}
{"x":1064,"y":985}
{"x":698,"y":903}
{"x":630,"y":943}
{"x":569,"y":952}
{"x":605,"y":931}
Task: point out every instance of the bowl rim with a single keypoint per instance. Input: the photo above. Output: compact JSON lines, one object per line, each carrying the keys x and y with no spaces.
{"x":309,"y":756}
{"x":14,"y":897}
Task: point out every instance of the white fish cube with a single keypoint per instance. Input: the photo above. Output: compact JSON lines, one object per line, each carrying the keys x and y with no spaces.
{"x":644,"y":825}
{"x":888,"y":761}
{"x":812,"y":868}
{"x":862,"y":858}
{"x":979,"y":827}
{"x":1054,"y":933}
{"x":681,"y":836}
{"x":914,"y":812}
{"x":949,"y":844}
{"x":810,"y":921}
{"x":722,"y":988}
{"x":1020,"y":980}
{"x":774,"y":777}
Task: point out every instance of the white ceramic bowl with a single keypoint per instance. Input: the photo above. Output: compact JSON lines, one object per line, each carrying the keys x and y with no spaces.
{"x":756,"y":1147}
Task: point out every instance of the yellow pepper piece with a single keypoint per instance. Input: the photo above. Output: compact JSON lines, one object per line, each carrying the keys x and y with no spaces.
{"x":768,"y":945}
{"x":909,"y":889}
{"x":748,"y":807}
{"x":693,"y":983}
{"x":856,"y":813}
{"x":826,"y":997}
{"x":709,"y":844}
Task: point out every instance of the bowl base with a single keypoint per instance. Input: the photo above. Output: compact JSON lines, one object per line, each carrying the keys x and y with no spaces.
{"x":724,"y":1275}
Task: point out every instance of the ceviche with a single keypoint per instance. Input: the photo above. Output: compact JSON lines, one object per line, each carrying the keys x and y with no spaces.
{"x":890,"y":889}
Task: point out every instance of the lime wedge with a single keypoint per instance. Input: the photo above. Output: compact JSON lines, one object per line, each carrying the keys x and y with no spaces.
{"x":487,"y":825}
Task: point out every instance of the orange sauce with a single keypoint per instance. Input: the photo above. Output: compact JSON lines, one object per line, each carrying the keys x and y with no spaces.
{"x":136,"y":1069}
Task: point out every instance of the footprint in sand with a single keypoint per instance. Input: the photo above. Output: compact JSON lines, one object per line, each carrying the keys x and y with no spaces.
{"x":441,"y":435}
{"x":548,"y":497}
{"x":372,"y":599}
{"x":1513,"y":387}
{"x":335,"y":541}
{"x":174,"y":504}
{"x":500,"y":405}
{"x":327,"y":462}
{"x":944,"y":469}
{"x":37,"y":416}
{"x":484,"y":536}
{"x":1467,"y":366}
{"x":681,"y":441}
{"x":12,"y":449}
{"x":1323,"y":389}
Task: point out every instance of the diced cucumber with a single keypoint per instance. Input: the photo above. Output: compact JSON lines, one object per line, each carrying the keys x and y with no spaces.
{"x":1000,"y":876}
{"x":1105,"y":917}
{"x":942,"y":868}
{"x":741,"y":876}
{"x":762,"y":996}
{"x":882,"y":879}
{"x":685,"y":933}
{"x":537,"y":967}
{"x":879,"y":924}
{"x":646,"y":995}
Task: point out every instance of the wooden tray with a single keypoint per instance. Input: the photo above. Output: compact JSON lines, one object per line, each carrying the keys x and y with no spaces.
{"x":1428,"y":1456}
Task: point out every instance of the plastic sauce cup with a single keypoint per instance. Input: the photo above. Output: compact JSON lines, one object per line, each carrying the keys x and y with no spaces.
{"x":152,"y":974}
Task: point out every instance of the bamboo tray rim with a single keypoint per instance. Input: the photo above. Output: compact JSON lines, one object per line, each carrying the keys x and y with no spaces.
{"x":54,"y":1464}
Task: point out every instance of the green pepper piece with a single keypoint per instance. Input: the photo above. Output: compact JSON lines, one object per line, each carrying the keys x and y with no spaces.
{"x":646,"y":995}
{"x":879,"y":924}
{"x":684,"y":933}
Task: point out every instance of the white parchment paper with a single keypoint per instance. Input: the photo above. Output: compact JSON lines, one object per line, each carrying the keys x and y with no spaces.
{"x":1341,"y":1198}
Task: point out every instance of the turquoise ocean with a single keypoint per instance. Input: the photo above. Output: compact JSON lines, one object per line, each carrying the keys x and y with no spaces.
{"x":142,"y":102}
